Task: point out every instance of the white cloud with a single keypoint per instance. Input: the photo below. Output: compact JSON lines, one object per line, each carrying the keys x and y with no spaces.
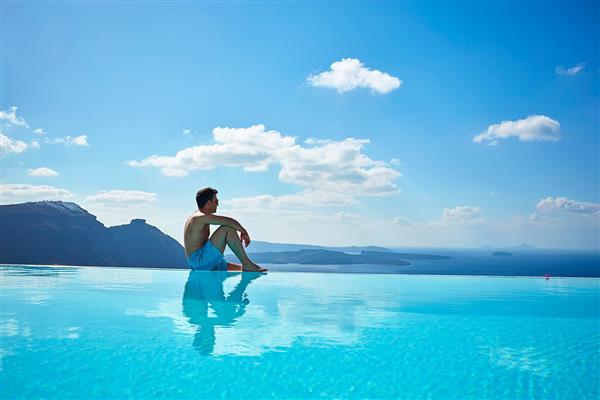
{"x":43,"y":171}
{"x":402,"y":221}
{"x":462,"y":215}
{"x":115,"y":207}
{"x":338,"y":167}
{"x":252,"y":148}
{"x":349,"y":74}
{"x":112,"y":197}
{"x":452,"y":218}
{"x":306,"y":198}
{"x":534,"y":217}
{"x":562,"y":204}
{"x":532,"y":128}
{"x":11,"y":117}
{"x":329,"y":171}
{"x":562,"y":215}
{"x":22,"y":192}
{"x":39,"y":131}
{"x":346,"y":216}
{"x":574,"y":70}
{"x":186,"y":131}
{"x":80,"y":140}
{"x":8,"y":145}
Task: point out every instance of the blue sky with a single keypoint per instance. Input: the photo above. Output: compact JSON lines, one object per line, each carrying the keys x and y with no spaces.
{"x":398,"y":124}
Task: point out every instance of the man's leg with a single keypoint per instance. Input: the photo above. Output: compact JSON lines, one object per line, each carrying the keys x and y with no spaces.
{"x":225,"y":235}
{"x":233,"y":267}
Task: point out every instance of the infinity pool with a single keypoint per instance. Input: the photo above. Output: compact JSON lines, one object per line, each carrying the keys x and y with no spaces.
{"x":85,"y":332}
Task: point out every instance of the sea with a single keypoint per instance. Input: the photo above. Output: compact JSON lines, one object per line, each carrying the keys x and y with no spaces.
{"x":527,"y":262}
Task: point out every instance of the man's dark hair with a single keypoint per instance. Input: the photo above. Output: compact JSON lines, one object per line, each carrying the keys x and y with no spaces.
{"x":204,"y":195}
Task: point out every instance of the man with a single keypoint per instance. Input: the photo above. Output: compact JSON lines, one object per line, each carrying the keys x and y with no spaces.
{"x":207,"y":254}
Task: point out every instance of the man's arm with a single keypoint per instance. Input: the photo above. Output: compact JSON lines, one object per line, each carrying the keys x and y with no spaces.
{"x":213,"y":219}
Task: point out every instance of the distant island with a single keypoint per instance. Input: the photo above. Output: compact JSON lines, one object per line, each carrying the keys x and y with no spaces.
{"x":502,"y":253}
{"x":259,"y":246}
{"x":329,"y":257}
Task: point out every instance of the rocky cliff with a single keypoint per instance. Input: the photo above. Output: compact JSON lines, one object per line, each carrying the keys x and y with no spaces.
{"x":56,"y":232}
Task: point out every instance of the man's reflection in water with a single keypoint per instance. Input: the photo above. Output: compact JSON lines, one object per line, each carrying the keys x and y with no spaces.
{"x":204,"y":288}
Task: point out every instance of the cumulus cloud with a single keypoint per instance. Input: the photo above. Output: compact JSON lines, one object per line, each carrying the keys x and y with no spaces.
{"x":338,"y":167}
{"x":8,"y":145}
{"x":462,"y":215}
{"x":186,"y":131}
{"x":349,"y":74}
{"x":39,"y":131}
{"x":80,"y":140}
{"x":252,"y":148}
{"x":21,"y":192}
{"x":562,"y":204}
{"x":532,"y":128}
{"x":574,"y":70}
{"x":10,"y":117}
{"x":43,"y":171}
{"x":329,"y":171}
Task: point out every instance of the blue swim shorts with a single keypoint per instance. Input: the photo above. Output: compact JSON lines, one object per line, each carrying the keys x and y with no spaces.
{"x":207,"y":258}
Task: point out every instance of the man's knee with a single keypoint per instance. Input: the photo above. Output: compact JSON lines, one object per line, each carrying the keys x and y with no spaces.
{"x":226,"y":229}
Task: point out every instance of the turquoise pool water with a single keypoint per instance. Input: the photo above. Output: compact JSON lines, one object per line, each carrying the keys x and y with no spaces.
{"x":70,"y":332}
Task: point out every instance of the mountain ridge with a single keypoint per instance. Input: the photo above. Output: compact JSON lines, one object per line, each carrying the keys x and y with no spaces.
{"x":57,"y":232}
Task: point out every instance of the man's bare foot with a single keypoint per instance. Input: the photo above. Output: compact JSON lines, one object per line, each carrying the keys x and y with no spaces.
{"x":251,"y":267}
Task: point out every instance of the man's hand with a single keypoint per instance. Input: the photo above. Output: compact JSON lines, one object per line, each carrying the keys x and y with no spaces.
{"x":245,"y":238}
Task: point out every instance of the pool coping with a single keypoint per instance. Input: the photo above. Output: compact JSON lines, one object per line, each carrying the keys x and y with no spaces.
{"x":302,"y":272}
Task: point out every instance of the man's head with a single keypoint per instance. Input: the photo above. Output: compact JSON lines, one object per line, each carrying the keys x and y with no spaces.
{"x":207,"y":199}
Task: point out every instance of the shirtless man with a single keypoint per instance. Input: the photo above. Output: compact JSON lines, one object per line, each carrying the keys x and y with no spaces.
{"x":207,"y":254}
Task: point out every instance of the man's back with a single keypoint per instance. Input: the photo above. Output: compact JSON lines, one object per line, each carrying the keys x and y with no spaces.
{"x":196,"y":233}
